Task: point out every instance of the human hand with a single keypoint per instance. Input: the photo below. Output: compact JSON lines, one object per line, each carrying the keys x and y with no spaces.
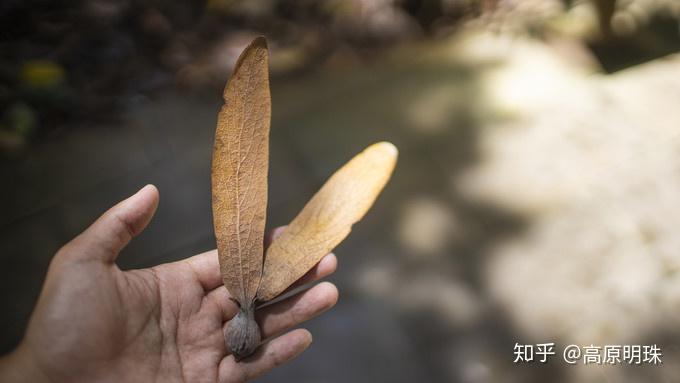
{"x":95,"y":322}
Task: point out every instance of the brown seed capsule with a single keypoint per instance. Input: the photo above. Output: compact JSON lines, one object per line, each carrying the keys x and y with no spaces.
{"x":243,"y":333}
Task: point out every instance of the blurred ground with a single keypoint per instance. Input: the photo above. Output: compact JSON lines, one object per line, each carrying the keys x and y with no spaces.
{"x":535,"y":200}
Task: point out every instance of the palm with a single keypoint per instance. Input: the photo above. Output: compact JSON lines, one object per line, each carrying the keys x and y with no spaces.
{"x":182,"y":323}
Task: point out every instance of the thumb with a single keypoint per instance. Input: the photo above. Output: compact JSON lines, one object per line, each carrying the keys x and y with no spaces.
{"x":109,"y":234}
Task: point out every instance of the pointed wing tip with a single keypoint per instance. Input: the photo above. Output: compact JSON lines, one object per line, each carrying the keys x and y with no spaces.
{"x":259,"y":41}
{"x":258,"y":46}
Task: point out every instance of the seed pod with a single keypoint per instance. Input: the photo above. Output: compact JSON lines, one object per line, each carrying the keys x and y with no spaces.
{"x":239,"y":200}
{"x":239,"y":188}
{"x":327,"y":218}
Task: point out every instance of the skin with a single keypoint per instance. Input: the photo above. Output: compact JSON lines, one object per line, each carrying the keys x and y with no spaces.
{"x":95,"y":322}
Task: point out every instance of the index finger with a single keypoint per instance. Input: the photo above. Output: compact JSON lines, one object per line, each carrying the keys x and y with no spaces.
{"x":206,"y":269}
{"x":206,"y":266}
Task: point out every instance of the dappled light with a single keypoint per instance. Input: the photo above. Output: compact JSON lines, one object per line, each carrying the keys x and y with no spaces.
{"x":426,"y":227}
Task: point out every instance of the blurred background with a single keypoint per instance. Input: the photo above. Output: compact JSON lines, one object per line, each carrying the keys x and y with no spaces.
{"x":536,"y":197}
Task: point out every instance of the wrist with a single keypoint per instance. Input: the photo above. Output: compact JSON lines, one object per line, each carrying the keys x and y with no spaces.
{"x":20,"y":366}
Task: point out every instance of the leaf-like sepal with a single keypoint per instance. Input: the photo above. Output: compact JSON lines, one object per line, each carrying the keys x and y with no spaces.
{"x":327,"y":218}
{"x":239,"y":173}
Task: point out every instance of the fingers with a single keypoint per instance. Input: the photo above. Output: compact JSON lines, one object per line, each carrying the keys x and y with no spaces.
{"x":326,"y":266}
{"x":220,"y":296}
{"x":281,"y":316}
{"x":206,"y":266}
{"x":109,"y":234}
{"x":270,"y":355}
{"x":206,"y":269}
{"x":302,"y":307}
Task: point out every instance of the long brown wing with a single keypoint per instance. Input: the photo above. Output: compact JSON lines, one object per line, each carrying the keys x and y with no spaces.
{"x":327,"y":218}
{"x":239,"y":173}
